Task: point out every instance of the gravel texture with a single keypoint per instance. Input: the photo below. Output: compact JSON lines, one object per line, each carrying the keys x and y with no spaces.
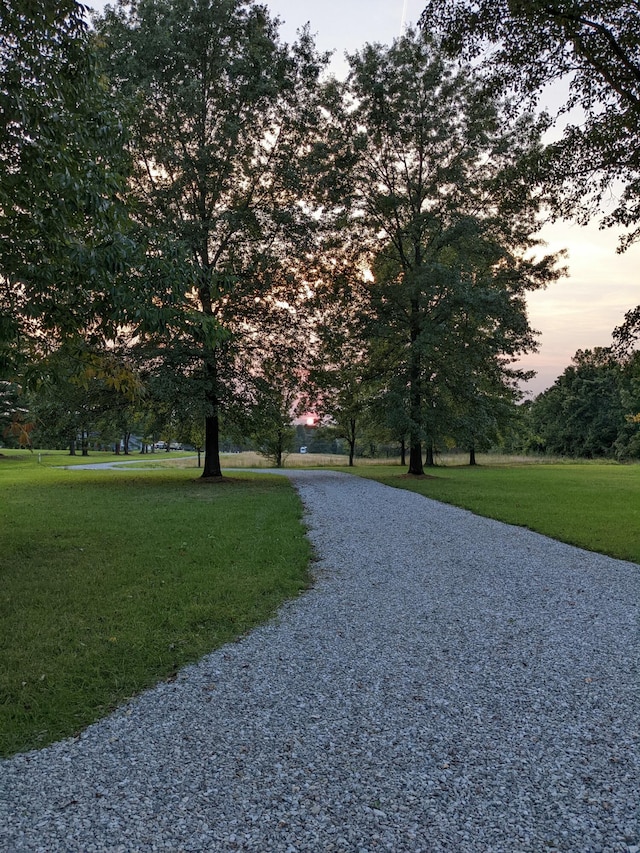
{"x":450,"y":683}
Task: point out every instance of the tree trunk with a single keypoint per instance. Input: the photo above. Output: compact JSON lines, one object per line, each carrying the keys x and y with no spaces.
{"x":415,"y":393}
{"x":403,"y":452}
{"x":352,"y":441}
{"x":472,"y":455}
{"x":212,"y":447}
{"x":212,"y":421}
{"x":430,"y":455}
{"x":72,"y":447}
{"x":415,"y":459}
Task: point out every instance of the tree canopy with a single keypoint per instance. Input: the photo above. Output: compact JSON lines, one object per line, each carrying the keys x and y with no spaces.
{"x":591,"y":410}
{"x":593,"y":46}
{"x":193,"y":218}
{"x":448,"y":222}
{"x":63,"y":235}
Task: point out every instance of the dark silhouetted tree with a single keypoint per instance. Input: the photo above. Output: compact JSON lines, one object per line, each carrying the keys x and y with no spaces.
{"x":223,"y":127}
{"x":448,"y":219}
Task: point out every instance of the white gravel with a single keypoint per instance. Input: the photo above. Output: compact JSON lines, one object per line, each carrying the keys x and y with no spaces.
{"x":450,"y":684}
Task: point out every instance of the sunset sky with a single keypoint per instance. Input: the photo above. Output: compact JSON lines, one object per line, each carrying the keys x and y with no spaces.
{"x":578,"y":312}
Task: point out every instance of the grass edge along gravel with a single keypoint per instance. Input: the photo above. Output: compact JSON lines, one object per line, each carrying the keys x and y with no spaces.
{"x":111,"y":582}
{"x":595,"y":506}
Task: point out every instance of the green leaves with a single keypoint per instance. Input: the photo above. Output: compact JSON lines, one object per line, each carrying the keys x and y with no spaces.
{"x":586,"y":411}
{"x":594,"y":49}
{"x":224,"y":125}
{"x":447,"y":235}
{"x":62,"y":221}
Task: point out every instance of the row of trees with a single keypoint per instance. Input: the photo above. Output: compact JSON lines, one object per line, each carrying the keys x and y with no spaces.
{"x":591,"y":411}
{"x":196,"y":219}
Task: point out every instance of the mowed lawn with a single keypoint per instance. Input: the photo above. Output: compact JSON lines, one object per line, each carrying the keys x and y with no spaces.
{"x":592,"y":505}
{"x":111,"y":581}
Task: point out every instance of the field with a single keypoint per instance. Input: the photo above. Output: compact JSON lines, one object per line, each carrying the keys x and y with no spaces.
{"x":110,"y":581}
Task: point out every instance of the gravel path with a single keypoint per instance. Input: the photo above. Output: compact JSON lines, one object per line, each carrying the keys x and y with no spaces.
{"x":450,"y":684}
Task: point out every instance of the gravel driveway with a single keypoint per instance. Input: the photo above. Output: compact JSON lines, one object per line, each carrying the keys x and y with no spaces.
{"x":450,"y":683}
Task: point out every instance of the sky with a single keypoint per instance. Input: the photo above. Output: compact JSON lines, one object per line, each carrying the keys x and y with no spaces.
{"x":579,"y":311}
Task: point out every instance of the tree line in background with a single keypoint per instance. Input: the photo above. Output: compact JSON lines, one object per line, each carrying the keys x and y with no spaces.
{"x":204,"y":234}
{"x":591,"y":410}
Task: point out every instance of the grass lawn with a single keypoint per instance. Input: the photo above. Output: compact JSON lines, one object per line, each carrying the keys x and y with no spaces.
{"x":110,"y":581}
{"x":593,"y":505}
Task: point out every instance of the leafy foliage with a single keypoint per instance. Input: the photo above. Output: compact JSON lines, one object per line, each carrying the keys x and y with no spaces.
{"x":447,"y":217}
{"x":63,"y":236}
{"x":273,"y":398}
{"x":79,"y":391}
{"x":594,"y":45}
{"x":222,"y":131}
{"x":591,"y":409}
{"x":16,"y":425}
{"x":340,"y":386}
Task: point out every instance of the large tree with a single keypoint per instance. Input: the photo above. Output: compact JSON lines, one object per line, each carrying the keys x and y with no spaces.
{"x":64,"y":240}
{"x":223,"y":125}
{"x":593,"y":46}
{"x":437,"y":199}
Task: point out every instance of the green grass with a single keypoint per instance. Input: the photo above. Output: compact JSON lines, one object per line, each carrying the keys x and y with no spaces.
{"x":57,"y":458}
{"x":110,"y":581}
{"x":592,"y":505}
